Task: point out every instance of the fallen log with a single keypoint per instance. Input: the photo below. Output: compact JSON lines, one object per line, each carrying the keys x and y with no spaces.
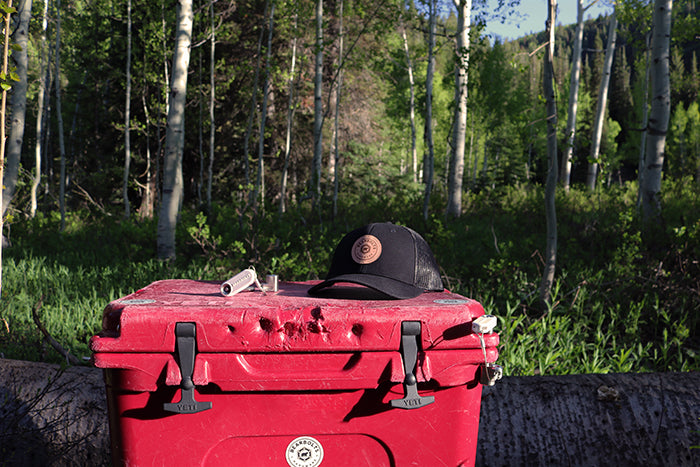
{"x":50,"y":416}
{"x":630,"y":419}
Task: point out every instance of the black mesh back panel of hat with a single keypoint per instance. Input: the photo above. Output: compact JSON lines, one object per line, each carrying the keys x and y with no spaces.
{"x":427,"y":271}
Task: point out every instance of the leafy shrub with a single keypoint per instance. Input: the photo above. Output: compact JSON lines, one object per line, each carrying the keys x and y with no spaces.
{"x":621,"y":301}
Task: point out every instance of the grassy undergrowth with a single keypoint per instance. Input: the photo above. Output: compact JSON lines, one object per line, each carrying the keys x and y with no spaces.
{"x":625,"y":298}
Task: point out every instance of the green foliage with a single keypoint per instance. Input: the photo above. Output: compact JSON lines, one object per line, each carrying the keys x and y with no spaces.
{"x":619,"y":302}
{"x":623,"y":301}
{"x":684,"y":140}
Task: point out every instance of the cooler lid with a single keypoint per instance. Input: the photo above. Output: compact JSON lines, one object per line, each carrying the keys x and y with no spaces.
{"x":288,"y":320}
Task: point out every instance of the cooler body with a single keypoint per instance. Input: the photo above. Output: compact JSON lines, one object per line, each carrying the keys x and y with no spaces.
{"x":284,"y":379}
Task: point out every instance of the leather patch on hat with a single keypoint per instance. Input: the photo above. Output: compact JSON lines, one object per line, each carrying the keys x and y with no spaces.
{"x":366,"y":249}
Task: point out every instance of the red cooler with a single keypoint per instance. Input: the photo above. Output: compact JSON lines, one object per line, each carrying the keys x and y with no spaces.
{"x":286,"y":379}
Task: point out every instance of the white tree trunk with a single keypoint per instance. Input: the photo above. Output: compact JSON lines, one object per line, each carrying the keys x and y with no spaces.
{"x":645,"y":122}
{"x":43,"y":84}
{"x":127,"y":114}
{"x":565,"y":176}
{"x":174,"y":136}
{"x":412,"y":104}
{"x":59,"y":117}
{"x":660,"y":109}
{"x":318,"y":107}
{"x":602,"y":101}
{"x":200,"y":126}
{"x":212,"y":103}
{"x":290,"y":119}
{"x":456,"y":172}
{"x":550,"y":256}
{"x":253,"y":105}
{"x":149,"y":188}
{"x":18,"y":104}
{"x":259,"y":191}
{"x":339,"y":83}
{"x":429,"y":148}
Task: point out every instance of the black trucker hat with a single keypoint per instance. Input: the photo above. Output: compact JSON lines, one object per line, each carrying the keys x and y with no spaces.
{"x":391,"y":259}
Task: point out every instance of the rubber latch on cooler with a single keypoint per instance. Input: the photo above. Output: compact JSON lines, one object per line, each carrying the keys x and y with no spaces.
{"x":410,"y":340}
{"x":186,"y":348}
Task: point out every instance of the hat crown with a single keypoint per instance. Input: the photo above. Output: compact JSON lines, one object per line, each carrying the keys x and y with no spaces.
{"x":392,"y":259}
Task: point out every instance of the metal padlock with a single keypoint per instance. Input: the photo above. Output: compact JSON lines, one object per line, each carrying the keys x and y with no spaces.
{"x":490,"y":373}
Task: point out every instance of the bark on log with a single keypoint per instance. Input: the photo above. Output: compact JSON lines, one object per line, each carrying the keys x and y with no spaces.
{"x":641,"y":419}
{"x":49,"y":417}
{"x":52,"y":417}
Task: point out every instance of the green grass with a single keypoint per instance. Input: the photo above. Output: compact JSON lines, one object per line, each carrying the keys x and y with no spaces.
{"x":625,"y":298}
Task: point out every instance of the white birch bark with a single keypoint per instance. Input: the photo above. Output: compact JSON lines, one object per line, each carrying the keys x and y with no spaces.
{"x":127,"y":115}
{"x":18,"y":104}
{"x":412,"y":104}
{"x":290,"y":119}
{"x":212,"y":103}
{"x":43,"y":84}
{"x":59,"y":118}
{"x":660,"y":109}
{"x":253,"y":104}
{"x":429,"y":147}
{"x":565,"y":177}
{"x":259,"y":192}
{"x":602,"y":101}
{"x":148,"y":198}
{"x":174,"y":136}
{"x":645,"y":122}
{"x":200,"y":126}
{"x":336,"y":154}
{"x":318,"y":107}
{"x":456,"y":171}
{"x":550,"y":256}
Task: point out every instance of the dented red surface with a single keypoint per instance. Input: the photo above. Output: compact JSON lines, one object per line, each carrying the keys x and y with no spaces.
{"x":286,"y":321}
{"x":285,"y":365}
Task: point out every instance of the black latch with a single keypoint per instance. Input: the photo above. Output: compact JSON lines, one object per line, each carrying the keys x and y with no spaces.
{"x":410,"y":339}
{"x":186,"y":334}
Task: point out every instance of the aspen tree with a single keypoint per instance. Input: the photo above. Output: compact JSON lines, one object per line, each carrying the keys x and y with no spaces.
{"x":43,"y":84}
{"x":174,"y":136}
{"x":59,"y":118}
{"x":259,"y":190}
{"x":602,"y":101}
{"x":315,"y":187}
{"x":127,"y":114}
{"x":429,"y":154}
{"x":18,"y":102}
{"x":565,"y":177}
{"x":660,"y":109}
{"x":290,"y":119}
{"x":551,"y":185}
{"x":336,"y":154}
{"x":456,"y":172}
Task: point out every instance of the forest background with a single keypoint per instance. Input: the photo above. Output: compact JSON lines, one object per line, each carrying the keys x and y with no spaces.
{"x":82,"y":220}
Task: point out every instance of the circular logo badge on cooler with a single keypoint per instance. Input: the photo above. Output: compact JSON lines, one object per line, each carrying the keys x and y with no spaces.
{"x":366,"y":249}
{"x":304,"y":451}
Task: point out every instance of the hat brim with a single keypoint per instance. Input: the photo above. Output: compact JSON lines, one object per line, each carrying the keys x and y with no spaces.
{"x":391,"y":287}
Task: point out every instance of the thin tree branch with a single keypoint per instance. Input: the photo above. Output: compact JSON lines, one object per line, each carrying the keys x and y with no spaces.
{"x":54,"y":343}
